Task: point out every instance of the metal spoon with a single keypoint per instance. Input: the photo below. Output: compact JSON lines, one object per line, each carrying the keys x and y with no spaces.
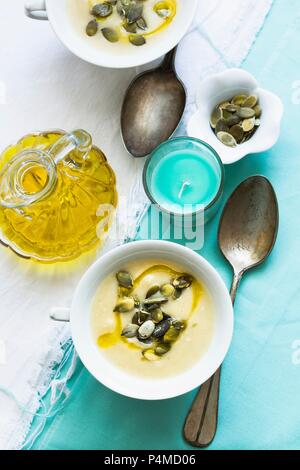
{"x":152,"y":108}
{"x":247,"y":234}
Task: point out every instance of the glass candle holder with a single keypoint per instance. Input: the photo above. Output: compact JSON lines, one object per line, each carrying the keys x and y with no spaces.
{"x":184,"y":177}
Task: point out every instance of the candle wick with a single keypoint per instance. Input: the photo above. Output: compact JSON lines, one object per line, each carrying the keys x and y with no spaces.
{"x":185,"y":185}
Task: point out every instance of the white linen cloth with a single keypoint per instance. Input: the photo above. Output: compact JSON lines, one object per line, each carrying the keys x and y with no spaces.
{"x":43,"y":86}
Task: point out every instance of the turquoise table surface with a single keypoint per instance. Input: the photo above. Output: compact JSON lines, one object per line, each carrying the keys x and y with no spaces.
{"x":259,"y":404}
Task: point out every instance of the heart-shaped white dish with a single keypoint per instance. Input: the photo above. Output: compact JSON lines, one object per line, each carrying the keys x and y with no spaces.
{"x":223,"y":86}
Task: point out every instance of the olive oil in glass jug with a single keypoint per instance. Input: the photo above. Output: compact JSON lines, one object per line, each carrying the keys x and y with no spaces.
{"x":52,"y":188}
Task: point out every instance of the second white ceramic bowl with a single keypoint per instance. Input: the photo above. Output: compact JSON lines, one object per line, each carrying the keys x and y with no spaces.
{"x":119,"y":380}
{"x":57,"y":11}
{"x":222,"y":87}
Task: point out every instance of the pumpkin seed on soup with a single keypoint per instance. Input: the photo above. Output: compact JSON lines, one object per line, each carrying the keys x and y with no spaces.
{"x":110,"y":34}
{"x":102,"y":10}
{"x":162,"y":9}
{"x":124,"y":305}
{"x":92,"y":28}
{"x":137,"y":39}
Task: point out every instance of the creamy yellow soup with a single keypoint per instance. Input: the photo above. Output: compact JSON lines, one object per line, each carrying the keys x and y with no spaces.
{"x":80,"y":14}
{"x":194,"y":308}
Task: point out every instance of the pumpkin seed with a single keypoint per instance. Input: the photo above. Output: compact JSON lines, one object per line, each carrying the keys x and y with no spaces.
{"x":171,"y":335}
{"x":102,"y":10}
{"x":226,"y":114}
{"x":162,"y":349}
{"x":177,"y":294}
{"x":232,"y":120}
{"x":137,"y":39}
{"x":221,"y":126}
{"x":258,"y":111}
{"x":161,"y":329}
{"x":92,"y":28}
{"x":227,"y":139}
{"x":150,"y":355}
{"x":125,"y":305}
{"x":257,"y":122}
{"x":130,"y":28}
{"x":110,"y":34}
{"x":146,"y":329}
{"x":183,"y":282}
{"x":179,"y":325}
{"x":155,"y":301}
{"x":157,"y":315}
{"x":124,"y":279}
{"x":167,"y":290}
{"x":248,"y":124}
{"x":152,"y":291}
{"x":141,"y":23}
{"x":250,"y":102}
{"x":237,"y":132}
{"x":140,"y":317}
{"x":246,"y":113}
{"x":134,"y":11}
{"x":130,"y":331}
{"x":232,"y":108}
{"x":239,"y":99}
{"x":162,"y":9}
{"x":215,"y":116}
{"x":224,"y":104}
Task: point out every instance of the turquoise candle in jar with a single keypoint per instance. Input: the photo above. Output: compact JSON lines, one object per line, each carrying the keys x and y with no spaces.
{"x":184,"y":176}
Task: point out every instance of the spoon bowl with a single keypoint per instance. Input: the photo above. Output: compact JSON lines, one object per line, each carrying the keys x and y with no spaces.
{"x":152,"y":109}
{"x":249,"y":223}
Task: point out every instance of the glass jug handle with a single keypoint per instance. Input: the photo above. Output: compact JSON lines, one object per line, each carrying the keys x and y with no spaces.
{"x":79,"y":142}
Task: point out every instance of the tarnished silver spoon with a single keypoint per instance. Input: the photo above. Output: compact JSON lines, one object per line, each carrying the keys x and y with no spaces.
{"x":152,"y":109}
{"x":247,"y":234}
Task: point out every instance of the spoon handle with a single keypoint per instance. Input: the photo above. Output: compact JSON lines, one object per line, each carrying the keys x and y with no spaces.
{"x":201,"y":423}
{"x":169,"y":60}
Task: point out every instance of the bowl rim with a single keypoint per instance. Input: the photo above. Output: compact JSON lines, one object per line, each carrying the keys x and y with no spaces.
{"x":121,"y":385}
{"x":154,"y":53}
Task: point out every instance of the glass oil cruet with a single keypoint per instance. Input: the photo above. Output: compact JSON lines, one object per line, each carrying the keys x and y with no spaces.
{"x":51,"y":187}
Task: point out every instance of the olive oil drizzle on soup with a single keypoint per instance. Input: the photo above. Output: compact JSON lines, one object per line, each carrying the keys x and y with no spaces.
{"x":193,"y":308}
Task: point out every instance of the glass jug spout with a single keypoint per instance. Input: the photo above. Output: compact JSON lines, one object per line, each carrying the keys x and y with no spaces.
{"x":30,"y":175}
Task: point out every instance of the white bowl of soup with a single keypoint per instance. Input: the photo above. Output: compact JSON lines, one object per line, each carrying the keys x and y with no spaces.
{"x":152,"y":320}
{"x":116,"y":37}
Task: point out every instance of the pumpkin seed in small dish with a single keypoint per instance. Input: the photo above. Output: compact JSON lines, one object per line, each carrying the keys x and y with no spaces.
{"x":235,"y":121}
